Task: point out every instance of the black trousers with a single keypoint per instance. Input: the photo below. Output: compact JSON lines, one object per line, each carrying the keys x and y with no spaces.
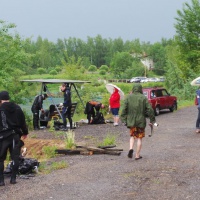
{"x":90,"y":115}
{"x":198,"y":119}
{"x":66,"y":113}
{"x":11,"y":143}
{"x":35,"y":118}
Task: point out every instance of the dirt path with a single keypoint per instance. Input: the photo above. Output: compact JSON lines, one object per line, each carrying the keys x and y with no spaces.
{"x":169,"y":169}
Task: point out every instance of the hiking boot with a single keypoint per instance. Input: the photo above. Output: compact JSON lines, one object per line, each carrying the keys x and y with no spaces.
{"x":64,"y":129}
{"x":13,"y":180}
{"x":130,"y":153}
{"x":2,"y":182}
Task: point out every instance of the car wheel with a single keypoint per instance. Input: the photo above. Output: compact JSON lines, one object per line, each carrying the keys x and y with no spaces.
{"x":174,"y":107}
{"x":157,"y":110}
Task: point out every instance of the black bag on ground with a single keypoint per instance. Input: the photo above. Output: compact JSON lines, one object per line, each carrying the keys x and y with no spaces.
{"x":26,"y":166}
{"x":98,"y":119}
{"x":58,"y":125}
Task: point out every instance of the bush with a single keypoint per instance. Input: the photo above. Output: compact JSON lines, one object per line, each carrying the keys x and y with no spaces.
{"x":92,"y":68}
{"x":41,"y":70}
{"x":102,"y":72}
{"x":104,"y":67}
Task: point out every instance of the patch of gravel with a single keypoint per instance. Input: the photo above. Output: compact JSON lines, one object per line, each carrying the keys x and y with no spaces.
{"x":169,"y":168}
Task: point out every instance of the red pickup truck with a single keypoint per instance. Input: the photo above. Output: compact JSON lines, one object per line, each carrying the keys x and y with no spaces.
{"x":160,"y":99}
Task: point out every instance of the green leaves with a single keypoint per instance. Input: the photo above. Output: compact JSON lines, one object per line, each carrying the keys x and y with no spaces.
{"x":12,"y":57}
{"x":188,"y":33}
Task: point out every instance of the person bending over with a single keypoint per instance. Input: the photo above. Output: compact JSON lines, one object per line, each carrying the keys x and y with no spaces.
{"x":91,"y":107}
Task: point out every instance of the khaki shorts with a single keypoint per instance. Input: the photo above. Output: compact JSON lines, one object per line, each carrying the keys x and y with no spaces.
{"x":137,"y":132}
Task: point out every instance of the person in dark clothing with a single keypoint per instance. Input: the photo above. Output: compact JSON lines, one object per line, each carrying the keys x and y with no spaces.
{"x":67,"y":105}
{"x":198,"y":107}
{"x":91,"y":107}
{"x":36,"y":107}
{"x":12,"y":128}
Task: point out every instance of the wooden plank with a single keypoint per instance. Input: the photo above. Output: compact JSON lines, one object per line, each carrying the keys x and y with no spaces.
{"x":67,"y":151}
{"x":95,"y":149}
{"x":108,"y":146}
{"x":113,"y":149}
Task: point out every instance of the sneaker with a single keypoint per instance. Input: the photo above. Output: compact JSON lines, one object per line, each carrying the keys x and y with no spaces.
{"x":130,"y":153}
{"x":64,"y":129}
{"x":116,"y":124}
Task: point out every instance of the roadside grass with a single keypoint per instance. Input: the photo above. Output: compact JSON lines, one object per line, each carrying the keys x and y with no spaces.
{"x":70,"y":140}
{"x":47,"y":167}
{"x":49,"y":151}
{"x":185,"y":103}
{"x":108,"y":140}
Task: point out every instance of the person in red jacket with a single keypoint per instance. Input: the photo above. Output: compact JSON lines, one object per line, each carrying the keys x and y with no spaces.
{"x":114,"y":103}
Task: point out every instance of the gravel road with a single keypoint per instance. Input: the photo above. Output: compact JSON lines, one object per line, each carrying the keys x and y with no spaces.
{"x":169,"y":169}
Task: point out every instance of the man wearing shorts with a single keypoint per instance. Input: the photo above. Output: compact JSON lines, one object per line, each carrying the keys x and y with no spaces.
{"x":135,"y":110}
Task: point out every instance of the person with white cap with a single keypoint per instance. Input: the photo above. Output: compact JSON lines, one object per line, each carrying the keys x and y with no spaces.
{"x":12,"y":128}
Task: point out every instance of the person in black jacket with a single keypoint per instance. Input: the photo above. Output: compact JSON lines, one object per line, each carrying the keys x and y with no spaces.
{"x":91,"y":107}
{"x":36,"y":107}
{"x":12,"y":128}
{"x":67,"y":105}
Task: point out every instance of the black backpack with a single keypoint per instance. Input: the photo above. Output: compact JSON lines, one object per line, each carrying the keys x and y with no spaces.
{"x":26,"y":166}
{"x":98,"y":119}
{"x":58,"y":125}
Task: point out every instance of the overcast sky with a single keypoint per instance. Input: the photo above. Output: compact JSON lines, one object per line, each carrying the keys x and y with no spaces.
{"x":147,"y":20}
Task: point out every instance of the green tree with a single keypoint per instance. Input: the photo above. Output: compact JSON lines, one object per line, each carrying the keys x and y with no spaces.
{"x":158,"y":54}
{"x":12,"y":59}
{"x":120,"y":62}
{"x":188,"y":32}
